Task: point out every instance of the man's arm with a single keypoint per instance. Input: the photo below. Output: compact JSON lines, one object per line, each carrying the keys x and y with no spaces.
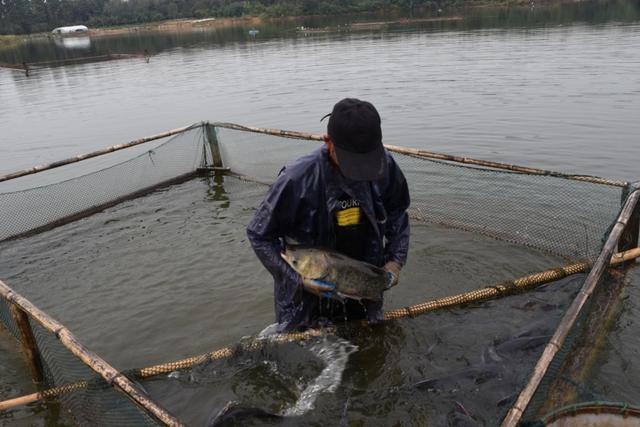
{"x":396,"y":201}
{"x":268,"y":226}
{"x":274,"y":217}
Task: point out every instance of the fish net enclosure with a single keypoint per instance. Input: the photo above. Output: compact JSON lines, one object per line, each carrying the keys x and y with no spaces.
{"x":35,"y":202}
{"x":564,"y":216}
{"x":568,"y":216}
{"x":84,"y":396}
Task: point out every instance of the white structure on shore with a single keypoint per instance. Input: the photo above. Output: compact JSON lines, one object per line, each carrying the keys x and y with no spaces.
{"x":70,"y":30}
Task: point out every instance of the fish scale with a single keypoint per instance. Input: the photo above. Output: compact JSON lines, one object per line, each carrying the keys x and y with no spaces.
{"x":353,"y":279}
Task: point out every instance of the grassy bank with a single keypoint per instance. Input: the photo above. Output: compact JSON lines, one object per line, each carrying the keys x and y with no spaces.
{"x":12,"y":41}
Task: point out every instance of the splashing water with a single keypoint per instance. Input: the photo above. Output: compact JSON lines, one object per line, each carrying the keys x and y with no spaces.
{"x":334,"y":352}
{"x":269,"y":331}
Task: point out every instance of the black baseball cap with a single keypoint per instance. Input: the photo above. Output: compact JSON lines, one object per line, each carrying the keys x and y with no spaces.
{"x":354,"y":128}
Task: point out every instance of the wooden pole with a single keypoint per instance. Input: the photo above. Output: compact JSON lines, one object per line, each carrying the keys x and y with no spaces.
{"x":629,"y":238}
{"x":517,"y":410}
{"x":214,"y":146}
{"x":29,"y":345}
{"x":99,"y":365}
{"x":86,"y":156}
{"x":20,"y":401}
{"x":447,"y":302}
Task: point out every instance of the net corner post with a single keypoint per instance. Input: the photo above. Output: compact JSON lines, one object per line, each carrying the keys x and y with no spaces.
{"x":214,"y":146}
{"x":629,"y":237}
{"x":28,"y":341}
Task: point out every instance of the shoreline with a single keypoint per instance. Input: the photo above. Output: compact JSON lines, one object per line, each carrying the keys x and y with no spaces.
{"x":181,"y":25}
{"x":170,"y":26}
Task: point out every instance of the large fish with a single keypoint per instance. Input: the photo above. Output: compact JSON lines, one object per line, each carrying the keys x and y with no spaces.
{"x":353,"y":279}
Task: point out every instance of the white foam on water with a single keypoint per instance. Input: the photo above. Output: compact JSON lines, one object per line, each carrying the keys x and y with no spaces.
{"x":334,"y":352}
{"x":269,"y":331}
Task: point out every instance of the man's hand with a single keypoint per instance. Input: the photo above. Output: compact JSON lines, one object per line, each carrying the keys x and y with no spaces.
{"x":393,"y":271}
{"x":319,"y":287}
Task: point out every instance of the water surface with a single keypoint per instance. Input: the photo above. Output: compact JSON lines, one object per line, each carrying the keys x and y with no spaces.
{"x":171,"y":275}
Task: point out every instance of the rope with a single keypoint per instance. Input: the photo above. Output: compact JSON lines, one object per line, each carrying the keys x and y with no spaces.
{"x":490,"y":292}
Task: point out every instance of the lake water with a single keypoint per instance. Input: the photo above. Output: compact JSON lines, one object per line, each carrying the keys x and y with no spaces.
{"x":557,"y":88}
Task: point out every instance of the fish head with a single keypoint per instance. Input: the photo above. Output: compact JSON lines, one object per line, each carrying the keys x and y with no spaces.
{"x":309,"y":262}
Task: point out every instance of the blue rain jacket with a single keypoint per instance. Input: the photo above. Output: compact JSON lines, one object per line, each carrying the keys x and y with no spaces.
{"x":299,"y":208}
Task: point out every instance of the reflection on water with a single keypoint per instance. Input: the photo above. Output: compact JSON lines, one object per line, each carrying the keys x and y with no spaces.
{"x":547,"y":94}
{"x":73,"y":42}
{"x":592,"y":12}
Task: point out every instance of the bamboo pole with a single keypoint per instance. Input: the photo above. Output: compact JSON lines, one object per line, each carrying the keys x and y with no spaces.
{"x":316,"y":137}
{"x":97,"y":153}
{"x":431,"y":155}
{"x":571,"y":315}
{"x":95,"y":362}
{"x":578,"y":364}
{"x":267,"y":131}
{"x":504,"y":166}
{"x":522,"y":283}
{"x":629,"y":237}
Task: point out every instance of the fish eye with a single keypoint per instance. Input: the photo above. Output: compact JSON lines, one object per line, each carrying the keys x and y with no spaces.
{"x":295,"y":262}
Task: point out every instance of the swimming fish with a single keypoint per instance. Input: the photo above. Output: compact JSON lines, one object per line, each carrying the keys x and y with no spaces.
{"x":490,"y":366}
{"x":353,"y":279}
{"x":235,"y":415}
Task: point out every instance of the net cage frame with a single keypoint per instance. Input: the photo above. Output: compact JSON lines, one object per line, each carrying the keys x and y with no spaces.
{"x":623,"y":235}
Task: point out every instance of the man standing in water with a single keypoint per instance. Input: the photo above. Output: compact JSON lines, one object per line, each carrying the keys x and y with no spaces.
{"x":349,"y":195}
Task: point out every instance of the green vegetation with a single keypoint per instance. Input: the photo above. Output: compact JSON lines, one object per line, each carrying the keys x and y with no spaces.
{"x":10,"y":42}
{"x":29,"y":16}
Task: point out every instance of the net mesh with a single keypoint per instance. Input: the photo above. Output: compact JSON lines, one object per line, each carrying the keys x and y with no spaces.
{"x":86,"y":398}
{"x":564,"y":381}
{"x":573,"y":388}
{"x":565,"y":217}
{"x":97,"y":400}
{"x":552,"y":214}
{"x":561,"y":216}
{"x":26,"y":210}
{"x":7,"y":319}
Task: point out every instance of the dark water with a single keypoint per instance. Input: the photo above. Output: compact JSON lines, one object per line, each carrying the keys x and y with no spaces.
{"x":172,"y":275}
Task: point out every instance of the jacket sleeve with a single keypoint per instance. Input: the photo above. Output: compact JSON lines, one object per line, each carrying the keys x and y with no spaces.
{"x":396,"y":201}
{"x":274,"y":217}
